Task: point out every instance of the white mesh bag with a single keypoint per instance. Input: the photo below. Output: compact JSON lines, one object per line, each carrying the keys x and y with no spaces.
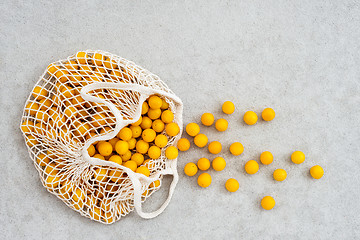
{"x":78,"y":101}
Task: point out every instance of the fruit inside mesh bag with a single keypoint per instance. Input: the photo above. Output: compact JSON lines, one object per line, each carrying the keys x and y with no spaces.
{"x":101,"y":132}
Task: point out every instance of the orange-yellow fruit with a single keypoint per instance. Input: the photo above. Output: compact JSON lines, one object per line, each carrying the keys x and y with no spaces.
{"x":266,"y":158}
{"x":40,"y":128}
{"x":221,"y":125}
{"x":132,"y":143}
{"x":268,"y":202}
{"x":250,"y":118}
{"x":317,"y":172}
{"x":138,"y":122}
{"x":71,"y":65}
{"x":81,"y":57}
{"x":142,"y":146}
{"x":154,"y":113}
{"x":155,"y":102}
{"x":125,"y":134}
{"x":228,"y":107}
{"x":172,"y":129}
{"x":42,"y":160}
{"x":155,"y":184}
{"x":146,"y":123}
{"x":298,"y":157}
{"x":82,"y":129}
{"x":99,"y":156}
{"x":164,"y":104}
{"x":39,"y":93}
{"x":251,"y":167}
{"x":215,"y":147}
{"x":204,"y":180}
{"x":27,"y":126}
{"x":75,"y":78}
{"x":105,"y":148}
{"x":148,"y":135}
{"x":280,"y":175}
{"x":99,"y":120}
{"x":121,"y":147}
{"x":45,"y":104}
{"x":161,"y":140}
{"x":98,"y":58}
{"x":117,"y":75}
{"x":268,"y":114}
{"x":203,"y":164}
{"x":116,"y":159}
{"x":95,"y":212}
{"x":126,"y":156}
{"x":101,"y":174}
{"x":218,"y":164}
{"x":52,"y":69}
{"x":91,"y":150}
{"x":201,"y":140}
{"x":143,"y":170}
{"x":131,"y":164}
{"x":190,"y":169}
{"x":236,"y":148}
{"x":183,"y":144}
{"x":110,"y":63}
{"x":171,"y":152}
{"x":78,"y":195}
{"x":62,"y":75}
{"x":136,"y":131}
{"x":149,"y":163}
{"x":70,"y":112}
{"x":32,"y":108}
{"x":232,"y":185}
{"x":207,"y":119}
{"x":52,"y":181}
{"x":31,"y":141}
{"x":138,"y":158}
{"x":41,"y":116}
{"x":113,"y":142}
{"x":158,"y":125}
{"x":145,"y":108}
{"x":167,"y":116}
{"x":192,"y":129}
{"x":154,"y":152}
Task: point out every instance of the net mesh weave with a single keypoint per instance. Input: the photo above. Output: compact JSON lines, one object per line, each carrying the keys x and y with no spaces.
{"x":60,"y":121}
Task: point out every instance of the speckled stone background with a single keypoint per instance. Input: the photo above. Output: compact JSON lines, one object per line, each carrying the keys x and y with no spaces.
{"x":301,"y":58}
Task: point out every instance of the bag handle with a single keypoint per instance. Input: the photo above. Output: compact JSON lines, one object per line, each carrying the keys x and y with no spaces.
{"x":137,"y":194}
{"x":120,"y":123}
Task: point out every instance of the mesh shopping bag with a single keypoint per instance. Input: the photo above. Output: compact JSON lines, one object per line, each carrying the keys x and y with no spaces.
{"x":88,"y":98}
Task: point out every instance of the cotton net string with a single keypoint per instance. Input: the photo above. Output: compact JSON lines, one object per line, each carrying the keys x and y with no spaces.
{"x":79,"y":101}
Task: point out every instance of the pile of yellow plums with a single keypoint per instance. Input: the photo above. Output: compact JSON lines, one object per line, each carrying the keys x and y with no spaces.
{"x":136,"y":144}
{"x":56,"y":117}
{"x":236,"y":149}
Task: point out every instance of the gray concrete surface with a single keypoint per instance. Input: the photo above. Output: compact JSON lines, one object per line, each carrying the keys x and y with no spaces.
{"x":299,"y":57}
